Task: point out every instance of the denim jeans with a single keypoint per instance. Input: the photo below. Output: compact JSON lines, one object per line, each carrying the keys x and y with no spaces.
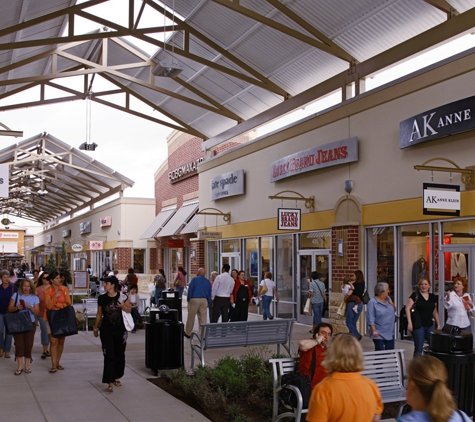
{"x":381,"y":344}
{"x":158,"y":295}
{"x":5,"y":339}
{"x":317,"y":309}
{"x":419,"y":336}
{"x":179,"y":289}
{"x":44,"y":334}
{"x":266,"y":301}
{"x":352,"y":318}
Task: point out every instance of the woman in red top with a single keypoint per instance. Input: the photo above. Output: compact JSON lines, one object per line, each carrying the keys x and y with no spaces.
{"x":56,"y":297}
{"x":180,"y":281}
{"x":242,"y":295}
{"x":319,"y":345}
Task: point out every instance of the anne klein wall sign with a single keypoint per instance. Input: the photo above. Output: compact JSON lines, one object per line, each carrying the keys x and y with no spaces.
{"x":332,"y":154}
{"x":227,"y":184}
{"x":439,"y":122}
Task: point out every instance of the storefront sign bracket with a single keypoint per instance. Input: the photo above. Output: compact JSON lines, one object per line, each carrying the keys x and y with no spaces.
{"x":468,"y":173}
{"x":226,"y":215}
{"x":309,"y":202}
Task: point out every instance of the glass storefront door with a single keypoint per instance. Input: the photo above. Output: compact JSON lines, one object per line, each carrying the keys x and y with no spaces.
{"x":233,"y":259}
{"x":309,"y":261}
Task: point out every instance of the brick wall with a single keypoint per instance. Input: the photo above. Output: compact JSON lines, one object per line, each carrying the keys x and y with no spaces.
{"x":124,"y":259}
{"x":342,"y":266}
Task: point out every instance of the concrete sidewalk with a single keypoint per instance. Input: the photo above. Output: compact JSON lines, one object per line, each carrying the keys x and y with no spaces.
{"x":77,"y":394}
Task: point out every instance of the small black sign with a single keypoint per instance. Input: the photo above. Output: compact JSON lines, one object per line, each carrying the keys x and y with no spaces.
{"x":437,"y":123}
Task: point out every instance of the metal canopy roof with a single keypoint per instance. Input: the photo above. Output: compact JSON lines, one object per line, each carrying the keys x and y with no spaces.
{"x":73,"y":180}
{"x":240,"y":57}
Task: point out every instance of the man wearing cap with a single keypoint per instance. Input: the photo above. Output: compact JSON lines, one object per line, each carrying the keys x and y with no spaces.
{"x":221,"y":294}
{"x":199,"y":294}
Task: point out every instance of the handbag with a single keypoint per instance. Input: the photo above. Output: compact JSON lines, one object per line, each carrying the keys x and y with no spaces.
{"x":366,"y":297}
{"x":62,"y":322}
{"x":18,"y":322}
{"x":264,"y":289}
{"x":342,"y":309}
{"x":307,"y":310}
{"x":128,"y":321}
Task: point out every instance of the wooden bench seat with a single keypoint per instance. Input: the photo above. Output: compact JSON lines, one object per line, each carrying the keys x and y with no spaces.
{"x":386,"y":368}
{"x":241,"y":333}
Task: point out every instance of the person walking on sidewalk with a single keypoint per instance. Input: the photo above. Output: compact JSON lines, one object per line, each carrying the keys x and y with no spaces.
{"x":199,"y":295}
{"x":221,"y":294}
{"x":7,"y":290}
{"x":318,"y":297}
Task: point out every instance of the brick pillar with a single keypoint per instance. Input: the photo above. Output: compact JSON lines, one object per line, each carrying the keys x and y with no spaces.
{"x":342,"y":266}
{"x":124,"y":259}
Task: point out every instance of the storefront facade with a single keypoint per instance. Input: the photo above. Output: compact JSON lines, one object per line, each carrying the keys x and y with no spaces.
{"x":356,"y":162}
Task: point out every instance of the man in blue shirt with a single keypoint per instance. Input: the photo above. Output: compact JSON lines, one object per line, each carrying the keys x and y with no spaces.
{"x":199,"y":294}
{"x":6,"y":292}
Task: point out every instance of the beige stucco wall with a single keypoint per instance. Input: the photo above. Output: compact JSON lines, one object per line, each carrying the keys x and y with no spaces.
{"x":383,"y":173}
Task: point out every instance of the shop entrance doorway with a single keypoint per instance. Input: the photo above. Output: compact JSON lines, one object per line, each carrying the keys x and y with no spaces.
{"x":233,"y":259}
{"x":317,"y":260}
{"x":457,"y":261}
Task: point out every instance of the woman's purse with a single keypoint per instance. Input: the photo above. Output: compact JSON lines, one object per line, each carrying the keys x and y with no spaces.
{"x":307,"y":310}
{"x":128,"y":321}
{"x":18,"y":322}
{"x":342,"y":309}
{"x":264,"y":289}
{"x":62,"y":322}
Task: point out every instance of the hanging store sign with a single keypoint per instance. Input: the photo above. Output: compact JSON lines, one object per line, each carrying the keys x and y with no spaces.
{"x":227,"y":184}
{"x":441,"y":199}
{"x":185,"y":171}
{"x":332,"y":154}
{"x":4,"y":180}
{"x":105,"y":221}
{"x":289,"y":218}
{"x":96,"y":245}
{"x":66,"y":233}
{"x":437,"y":123}
{"x":204,"y":235}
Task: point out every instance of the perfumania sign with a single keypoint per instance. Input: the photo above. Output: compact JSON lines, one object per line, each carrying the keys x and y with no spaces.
{"x":332,"y":154}
{"x":439,"y":122}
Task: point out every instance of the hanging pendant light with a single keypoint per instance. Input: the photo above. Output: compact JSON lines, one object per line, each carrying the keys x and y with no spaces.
{"x":88,"y":145}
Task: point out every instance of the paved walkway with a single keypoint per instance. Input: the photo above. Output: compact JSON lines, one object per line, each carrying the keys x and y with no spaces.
{"x":77,"y":394}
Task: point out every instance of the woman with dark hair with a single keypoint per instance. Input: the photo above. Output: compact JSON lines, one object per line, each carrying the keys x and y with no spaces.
{"x":427,"y":393}
{"x":25,"y":300}
{"x":180,"y":281}
{"x":7,"y":289}
{"x":351,"y":316}
{"x":131,"y":278}
{"x":41,"y":285}
{"x":113,"y":333}
{"x":56,"y":297}
{"x":242,"y":298}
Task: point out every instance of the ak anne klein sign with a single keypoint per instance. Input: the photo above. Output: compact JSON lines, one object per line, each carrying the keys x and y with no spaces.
{"x":332,"y":154}
{"x":439,"y":122}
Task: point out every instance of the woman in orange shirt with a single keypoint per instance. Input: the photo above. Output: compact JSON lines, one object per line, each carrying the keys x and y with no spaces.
{"x":56,"y":297}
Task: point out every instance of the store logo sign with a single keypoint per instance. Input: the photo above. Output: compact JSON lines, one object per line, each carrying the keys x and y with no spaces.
{"x":441,"y":199}
{"x":289,"y":219}
{"x":449,"y":119}
{"x":227,"y":184}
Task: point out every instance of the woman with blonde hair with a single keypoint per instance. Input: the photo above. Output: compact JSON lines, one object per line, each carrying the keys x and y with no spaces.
{"x":427,"y":393}
{"x":345,"y":394}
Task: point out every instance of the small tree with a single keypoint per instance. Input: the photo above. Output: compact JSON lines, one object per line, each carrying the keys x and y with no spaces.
{"x":64,"y":265}
{"x":50,"y":264}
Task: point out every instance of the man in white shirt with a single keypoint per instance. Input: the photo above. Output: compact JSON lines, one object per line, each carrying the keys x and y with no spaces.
{"x":221,"y":294}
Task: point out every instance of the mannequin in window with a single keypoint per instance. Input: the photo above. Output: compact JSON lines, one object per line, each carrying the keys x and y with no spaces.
{"x":419,"y":270}
{"x":458,"y":267}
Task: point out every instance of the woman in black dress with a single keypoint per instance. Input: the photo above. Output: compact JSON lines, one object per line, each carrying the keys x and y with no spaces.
{"x":242,"y":298}
{"x":113,"y":333}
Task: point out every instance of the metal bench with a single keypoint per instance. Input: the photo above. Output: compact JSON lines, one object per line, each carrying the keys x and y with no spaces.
{"x":386,"y":368}
{"x":242,"y":333}
{"x":89,"y":310}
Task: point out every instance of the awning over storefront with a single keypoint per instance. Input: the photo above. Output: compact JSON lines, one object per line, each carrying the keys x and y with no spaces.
{"x":157,"y":224}
{"x":181,"y":217}
{"x":192,"y":225}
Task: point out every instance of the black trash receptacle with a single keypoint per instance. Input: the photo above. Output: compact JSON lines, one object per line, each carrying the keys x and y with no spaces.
{"x":164,"y":341}
{"x":172,"y":300}
{"x":455,"y":349}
